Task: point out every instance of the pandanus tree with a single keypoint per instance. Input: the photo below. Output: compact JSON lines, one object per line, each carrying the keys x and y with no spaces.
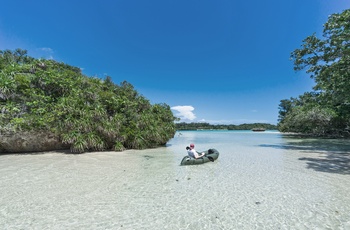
{"x":86,"y":113}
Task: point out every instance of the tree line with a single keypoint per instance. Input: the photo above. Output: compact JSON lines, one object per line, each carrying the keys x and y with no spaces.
{"x":326,"y":110}
{"x":86,"y":113}
{"x":207,"y":126}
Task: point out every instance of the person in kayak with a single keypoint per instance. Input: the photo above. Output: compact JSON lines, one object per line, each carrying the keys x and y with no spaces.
{"x":193,"y":153}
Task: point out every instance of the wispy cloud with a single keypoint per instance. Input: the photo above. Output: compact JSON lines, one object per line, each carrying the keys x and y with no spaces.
{"x":46,"y":49}
{"x":46,"y":52}
{"x":11,"y":42}
{"x":184,"y":112}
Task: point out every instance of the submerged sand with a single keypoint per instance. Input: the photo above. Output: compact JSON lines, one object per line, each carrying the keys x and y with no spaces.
{"x":258,"y":182}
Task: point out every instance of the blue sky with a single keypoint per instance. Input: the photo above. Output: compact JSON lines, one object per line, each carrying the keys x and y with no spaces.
{"x":217,"y":61}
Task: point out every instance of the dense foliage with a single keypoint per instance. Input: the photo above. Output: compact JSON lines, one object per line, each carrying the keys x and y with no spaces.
{"x":326,"y":110}
{"x":207,"y":126}
{"x":87,"y":113}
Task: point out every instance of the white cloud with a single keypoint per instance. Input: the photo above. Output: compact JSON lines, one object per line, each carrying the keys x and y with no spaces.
{"x":45,"y":52}
{"x":184,"y":112}
{"x":46,"y":49}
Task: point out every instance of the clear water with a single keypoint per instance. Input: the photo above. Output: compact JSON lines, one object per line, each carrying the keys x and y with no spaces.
{"x":260,"y":181}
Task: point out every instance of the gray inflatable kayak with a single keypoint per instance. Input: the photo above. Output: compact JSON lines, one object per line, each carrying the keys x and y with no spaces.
{"x":210,"y":156}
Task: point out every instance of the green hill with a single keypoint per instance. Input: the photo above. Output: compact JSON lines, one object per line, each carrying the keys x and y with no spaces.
{"x":84,"y":113}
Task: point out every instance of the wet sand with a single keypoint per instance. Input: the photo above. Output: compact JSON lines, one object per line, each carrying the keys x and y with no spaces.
{"x":260,"y":181}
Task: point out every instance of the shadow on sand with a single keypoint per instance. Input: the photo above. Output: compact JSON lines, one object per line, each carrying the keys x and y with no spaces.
{"x":333,"y":157}
{"x":67,"y":151}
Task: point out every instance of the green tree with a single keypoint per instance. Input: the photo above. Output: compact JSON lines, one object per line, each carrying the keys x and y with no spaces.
{"x":327,"y":60}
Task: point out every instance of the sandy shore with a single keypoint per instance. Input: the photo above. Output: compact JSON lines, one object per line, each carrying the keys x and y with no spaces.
{"x":257,"y":183}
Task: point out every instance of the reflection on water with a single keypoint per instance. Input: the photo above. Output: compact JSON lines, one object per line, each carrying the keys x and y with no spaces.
{"x":260,"y":181}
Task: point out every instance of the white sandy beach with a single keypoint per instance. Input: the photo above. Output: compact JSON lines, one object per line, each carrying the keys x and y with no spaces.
{"x":260,"y":181}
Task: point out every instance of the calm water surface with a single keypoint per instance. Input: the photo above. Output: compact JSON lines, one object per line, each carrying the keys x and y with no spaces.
{"x":260,"y":181}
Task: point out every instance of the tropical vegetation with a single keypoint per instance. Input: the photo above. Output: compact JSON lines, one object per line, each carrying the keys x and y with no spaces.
{"x":86,"y":113}
{"x":326,"y":110}
{"x":207,"y":126}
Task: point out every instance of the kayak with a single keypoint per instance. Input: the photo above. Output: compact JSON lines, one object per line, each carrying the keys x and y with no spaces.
{"x":210,"y":156}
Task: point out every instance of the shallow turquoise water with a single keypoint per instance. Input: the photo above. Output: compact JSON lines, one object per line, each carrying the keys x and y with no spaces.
{"x":260,"y":181}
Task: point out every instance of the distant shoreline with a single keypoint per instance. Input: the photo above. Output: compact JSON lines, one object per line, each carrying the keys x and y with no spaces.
{"x":300,"y":135}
